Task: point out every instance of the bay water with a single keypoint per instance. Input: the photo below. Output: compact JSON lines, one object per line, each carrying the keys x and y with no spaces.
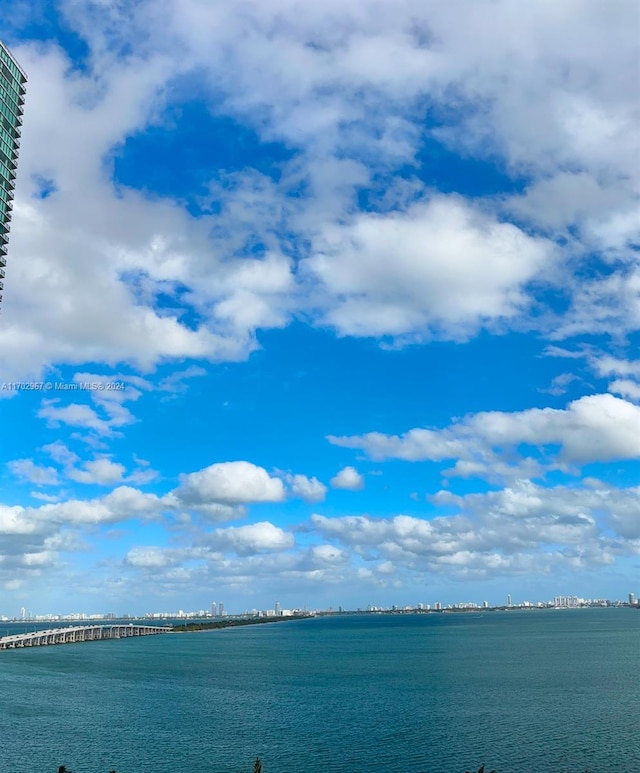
{"x":542,"y":690}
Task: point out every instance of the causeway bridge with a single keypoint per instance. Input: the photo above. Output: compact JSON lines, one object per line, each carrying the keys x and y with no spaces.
{"x":79,"y":633}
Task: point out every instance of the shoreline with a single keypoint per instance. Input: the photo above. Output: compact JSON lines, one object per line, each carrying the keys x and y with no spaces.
{"x":233,"y":623}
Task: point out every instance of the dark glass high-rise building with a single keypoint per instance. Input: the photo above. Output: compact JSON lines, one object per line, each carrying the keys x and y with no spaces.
{"x":13,"y":81}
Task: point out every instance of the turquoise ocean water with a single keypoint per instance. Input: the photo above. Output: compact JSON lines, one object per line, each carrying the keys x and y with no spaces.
{"x":539,"y":691}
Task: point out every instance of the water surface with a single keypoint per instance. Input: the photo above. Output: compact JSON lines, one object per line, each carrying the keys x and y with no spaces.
{"x":554,"y":690}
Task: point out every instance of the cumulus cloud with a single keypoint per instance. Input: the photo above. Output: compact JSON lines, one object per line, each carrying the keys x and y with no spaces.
{"x":440,"y":265}
{"x":250,"y":539}
{"x":606,"y":365}
{"x":27,"y":471}
{"x":520,"y":529}
{"x":148,"y":558}
{"x":626,"y":388}
{"x":59,"y":452}
{"x":309,"y":489}
{"x":593,"y":428}
{"x":101,"y":471}
{"x":348,"y":478}
{"x":230,"y":483}
{"x":74,"y":415}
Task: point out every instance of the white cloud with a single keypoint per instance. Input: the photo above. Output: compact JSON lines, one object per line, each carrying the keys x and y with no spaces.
{"x":560,"y":383}
{"x":626,"y":388}
{"x":121,"y":504}
{"x":86,"y":239}
{"x":148,"y":558}
{"x":13,"y":521}
{"x":250,"y":539}
{"x":309,"y":489}
{"x":604,"y":306}
{"x":348,"y":478}
{"x":606,"y":365}
{"x":74,"y":415}
{"x":592,"y":428}
{"x":59,"y":452}
{"x":27,"y":470}
{"x":523,"y":529}
{"x":230,"y":483}
{"x":101,"y":471}
{"x":45,"y":497}
{"x":441,"y":264}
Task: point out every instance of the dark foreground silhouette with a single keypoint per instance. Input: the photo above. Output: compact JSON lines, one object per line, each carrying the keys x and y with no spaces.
{"x":257,"y":768}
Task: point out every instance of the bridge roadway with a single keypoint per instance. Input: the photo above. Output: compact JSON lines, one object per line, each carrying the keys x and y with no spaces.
{"x":79,"y":633}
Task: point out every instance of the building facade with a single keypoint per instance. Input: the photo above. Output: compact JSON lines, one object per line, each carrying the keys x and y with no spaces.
{"x":13,"y":82}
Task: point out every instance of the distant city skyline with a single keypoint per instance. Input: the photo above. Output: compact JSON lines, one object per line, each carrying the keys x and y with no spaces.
{"x":217,"y":609}
{"x":329,"y":304}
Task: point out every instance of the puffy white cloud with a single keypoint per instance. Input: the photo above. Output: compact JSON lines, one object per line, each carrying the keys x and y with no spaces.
{"x":626,"y":388}
{"x":440,"y":265}
{"x":120,"y":504}
{"x":605,"y":306}
{"x":606,"y":365}
{"x":87,"y":240}
{"x":250,"y":539}
{"x":309,"y":489}
{"x":230,"y":483}
{"x":328,"y":554}
{"x":14,"y":520}
{"x":74,"y":415}
{"x":592,"y":428}
{"x":27,"y":470}
{"x":60,"y":453}
{"x":149,"y":558}
{"x":414,"y":445}
{"x":348,"y":478}
{"x":100,"y":471}
{"x":520,"y":529}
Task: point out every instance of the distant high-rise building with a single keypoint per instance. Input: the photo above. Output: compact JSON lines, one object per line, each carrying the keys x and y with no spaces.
{"x":278,"y":609}
{"x":213,"y":608}
{"x":632,"y":599}
{"x":13,"y":81}
{"x":567,"y":601}
{"x":221,"y":609}
{"x":509,"y":600}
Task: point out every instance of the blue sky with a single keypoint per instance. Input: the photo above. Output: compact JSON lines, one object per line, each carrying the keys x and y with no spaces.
{"x":358,"y":287}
